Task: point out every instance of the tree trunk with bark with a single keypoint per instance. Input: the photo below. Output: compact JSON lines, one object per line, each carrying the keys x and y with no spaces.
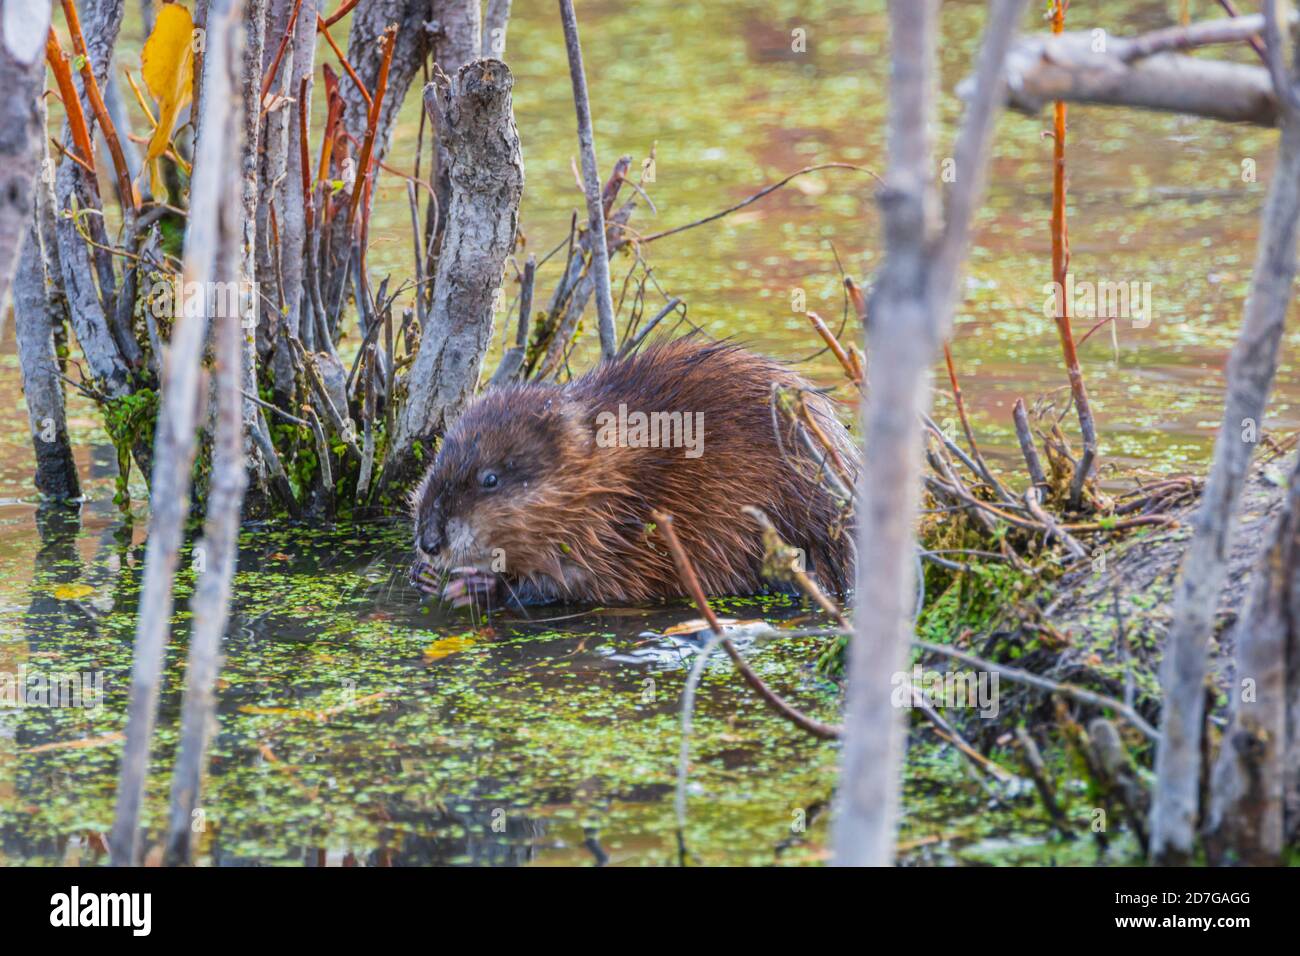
{"x":1251,"y":367}
{"x":1245,"y":819}
{"x":496,"y":21}
{"x":423,"y":26}
{"x":282,"y":263}
{"x":22,"y":75}
{"x":254,"y":42}
{"x":37,"y":312}
{"x":88,"y":280}
{"x":475,"y":119}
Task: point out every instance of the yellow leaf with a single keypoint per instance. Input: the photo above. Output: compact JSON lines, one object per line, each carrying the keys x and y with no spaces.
{"x":79,"y":743}
{"x":72,"y":592}
{"x":325,"y":714}
{"x":168,"y":67}
{"x":697,"y":625}
{"x":447,"y":645}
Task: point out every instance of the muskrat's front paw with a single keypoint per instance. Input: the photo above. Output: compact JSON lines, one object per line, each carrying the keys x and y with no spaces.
{"x":425,"y":578}
{"x":467,"y":585}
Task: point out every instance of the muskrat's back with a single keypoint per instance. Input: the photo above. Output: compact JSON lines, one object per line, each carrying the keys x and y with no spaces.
{"x":551,"y":489}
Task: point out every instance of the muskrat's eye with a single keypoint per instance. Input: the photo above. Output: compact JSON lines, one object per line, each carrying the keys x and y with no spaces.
{"x":489,"y":479}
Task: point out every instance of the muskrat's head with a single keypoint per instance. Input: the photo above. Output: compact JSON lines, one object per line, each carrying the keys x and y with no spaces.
{"x":480,"y":511}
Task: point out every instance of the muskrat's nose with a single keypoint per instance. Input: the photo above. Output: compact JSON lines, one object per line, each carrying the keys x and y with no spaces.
{"x":430,"y":541}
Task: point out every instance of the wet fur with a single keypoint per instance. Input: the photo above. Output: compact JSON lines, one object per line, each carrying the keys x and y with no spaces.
{"x":572,"y":518}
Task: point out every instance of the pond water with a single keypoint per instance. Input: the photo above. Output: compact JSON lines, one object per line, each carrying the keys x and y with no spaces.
{"x":358,"y":725}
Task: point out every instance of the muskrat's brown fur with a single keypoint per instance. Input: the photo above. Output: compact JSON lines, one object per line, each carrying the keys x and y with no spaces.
{"x":570,"y":519}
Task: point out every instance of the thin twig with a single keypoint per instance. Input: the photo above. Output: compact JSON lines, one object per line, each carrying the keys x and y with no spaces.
{"x":649,"y":327}
{"x":106,"y":127}
{"x":759,"y":195}
{"x":686,"y":571}
{"x":1018,"y":676}
{"x":983,"y":468}
{"x":591,"y":185}
{"x":344,"y":9}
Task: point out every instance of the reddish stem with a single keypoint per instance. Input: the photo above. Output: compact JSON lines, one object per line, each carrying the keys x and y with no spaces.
{"x":304,"y":158}
{"x":1060,"y":271}
{"x":836,"y":348}
{"x":372,"y":126}
{"x":71,"y":102}
{"x":279,"y":52}
{"x":343,"y":60}
{"x":339,"y":14}
{"x":106,"y":126}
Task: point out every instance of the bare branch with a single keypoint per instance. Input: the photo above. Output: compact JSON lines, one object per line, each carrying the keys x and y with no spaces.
{"x":211,"y":239}
{"x":590,"y":184}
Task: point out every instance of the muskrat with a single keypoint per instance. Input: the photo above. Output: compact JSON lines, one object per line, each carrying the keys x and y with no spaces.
{"x":543,"y":493}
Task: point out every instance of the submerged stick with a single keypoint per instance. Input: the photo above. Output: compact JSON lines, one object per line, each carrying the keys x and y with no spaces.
{"x":590,"y":184}
{"x":684,"y":750}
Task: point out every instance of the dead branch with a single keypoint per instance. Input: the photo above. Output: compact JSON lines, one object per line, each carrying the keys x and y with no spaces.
{"x":1251,"y":368}
{"x":591,"y":184}
{"x":1141,"y":72}
{"x":766,"y":190}
{"x":218,"y":549}
{"x":1027,"y":448}
{"x":211,"y":245}
{"x":1043,"y":783}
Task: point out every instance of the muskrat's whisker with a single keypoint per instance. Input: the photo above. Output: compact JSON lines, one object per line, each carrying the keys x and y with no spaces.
{"x":518,"y":603}
{"x":559,"y":617}
{"x":473,"y":610}
{"x":392,"y":582}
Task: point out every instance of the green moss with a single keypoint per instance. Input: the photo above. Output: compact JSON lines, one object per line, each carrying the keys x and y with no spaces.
{"x":129,"y":420}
